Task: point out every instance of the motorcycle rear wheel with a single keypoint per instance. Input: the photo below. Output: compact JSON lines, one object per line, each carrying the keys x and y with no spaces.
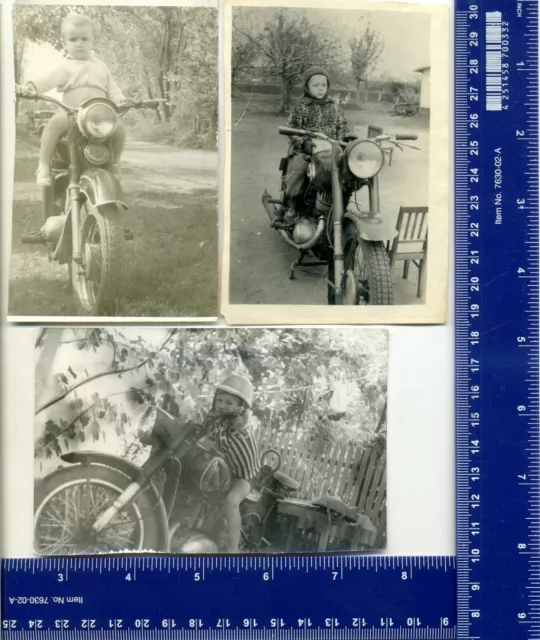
{"x":367,"y":264}
{"x":98,"y":288}
{"x":67,"y":502}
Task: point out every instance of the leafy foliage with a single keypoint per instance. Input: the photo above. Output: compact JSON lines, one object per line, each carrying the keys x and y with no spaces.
{"x":286,"y":47}
{"x":326,"y":384}
{"x":365,"y":51}
{"x":153,"y":52}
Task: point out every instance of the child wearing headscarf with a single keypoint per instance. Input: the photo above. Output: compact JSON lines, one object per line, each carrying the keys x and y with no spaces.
{"x":315,"y":111}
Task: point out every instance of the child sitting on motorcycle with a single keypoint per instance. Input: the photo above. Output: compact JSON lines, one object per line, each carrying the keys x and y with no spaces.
{"x":227,"y":425}
{"x":79,"y":76}
{"x":315,"y":111}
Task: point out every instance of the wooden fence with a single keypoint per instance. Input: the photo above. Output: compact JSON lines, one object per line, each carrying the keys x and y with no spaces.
{"x":355,"y":473}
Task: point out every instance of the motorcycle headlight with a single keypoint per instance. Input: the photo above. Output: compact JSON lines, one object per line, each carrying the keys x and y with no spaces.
{"x":364,"y":158}
{"x":97,"y":121}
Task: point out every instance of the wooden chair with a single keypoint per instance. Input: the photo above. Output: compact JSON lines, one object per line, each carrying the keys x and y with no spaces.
{"x":387,"y":149}
{"x":410,"y":244}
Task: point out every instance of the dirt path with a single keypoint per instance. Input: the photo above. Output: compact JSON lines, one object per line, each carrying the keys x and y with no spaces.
{"x":186,"y":170}
{"x":171,"y":264}
{"x":259,"y":258}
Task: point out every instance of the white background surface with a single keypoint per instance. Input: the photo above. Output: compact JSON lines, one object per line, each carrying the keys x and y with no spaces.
{"x":421,"y":513}
{"x":420,"y":442}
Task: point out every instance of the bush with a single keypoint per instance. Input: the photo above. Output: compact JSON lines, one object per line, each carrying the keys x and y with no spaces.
{"x":147,"y":128}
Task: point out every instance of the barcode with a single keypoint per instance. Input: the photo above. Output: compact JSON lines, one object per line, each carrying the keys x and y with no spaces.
{"x":493,"y":61}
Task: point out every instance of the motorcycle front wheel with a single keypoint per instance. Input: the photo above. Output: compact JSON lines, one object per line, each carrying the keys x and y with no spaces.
{"x":68,"y":501}
{"x":368,"y":277}
{"x":98,"y":283}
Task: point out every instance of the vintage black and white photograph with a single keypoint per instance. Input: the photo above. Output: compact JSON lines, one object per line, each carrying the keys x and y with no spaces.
{"x":115,"y":162}
{"x":210,"y":440}
{"x":338,"y":174}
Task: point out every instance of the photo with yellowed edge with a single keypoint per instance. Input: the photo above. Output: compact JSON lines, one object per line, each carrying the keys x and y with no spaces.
{"x":337,"y":163}
{"x":115,"y":162}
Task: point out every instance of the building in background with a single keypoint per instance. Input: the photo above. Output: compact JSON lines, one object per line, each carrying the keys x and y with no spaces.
{"x":424,"y":88}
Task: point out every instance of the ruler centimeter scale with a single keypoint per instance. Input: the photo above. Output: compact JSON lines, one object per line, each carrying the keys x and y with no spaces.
{"x":304,"y":597}
{"x":496,"y":574}
{"x":497,"y":319}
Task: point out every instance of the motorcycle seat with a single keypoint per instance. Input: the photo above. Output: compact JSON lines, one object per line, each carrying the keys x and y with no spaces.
{"x":336,"y":504}
{"x":286,"y":481}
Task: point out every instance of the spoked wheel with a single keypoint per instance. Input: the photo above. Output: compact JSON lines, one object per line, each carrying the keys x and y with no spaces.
{"x":98,"y":282}
{"x":368,"y":278}
{"x":67,"y":503}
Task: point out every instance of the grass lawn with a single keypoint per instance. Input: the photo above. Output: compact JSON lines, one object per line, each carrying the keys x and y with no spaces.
{"x":170,"y":265}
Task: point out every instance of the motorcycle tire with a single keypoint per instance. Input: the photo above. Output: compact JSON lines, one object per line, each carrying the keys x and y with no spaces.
{"x":102,"y":245}
{"x":73,"y":535}
{"x":374,"y":283}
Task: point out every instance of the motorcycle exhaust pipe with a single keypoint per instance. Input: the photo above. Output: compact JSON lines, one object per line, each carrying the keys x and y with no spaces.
{"x":105,"y":518}
{"x":33,"y":238}
{"x":270,"y":210}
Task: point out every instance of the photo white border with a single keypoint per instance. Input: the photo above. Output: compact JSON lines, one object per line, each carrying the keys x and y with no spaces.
{"x":434,"y":310}
{"x":7,"y":115}
{"x":420,"y":442}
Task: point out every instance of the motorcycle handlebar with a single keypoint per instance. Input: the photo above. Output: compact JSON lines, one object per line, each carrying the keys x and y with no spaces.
{"x":406,"y":136}
{"x":289,"y":131}
{"x":28,"y":95}
{"x":144,"y":104}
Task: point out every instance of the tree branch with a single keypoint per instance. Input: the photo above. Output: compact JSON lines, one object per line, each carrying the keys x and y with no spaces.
{"x":88,"y":408}
{"x":60,"y":397}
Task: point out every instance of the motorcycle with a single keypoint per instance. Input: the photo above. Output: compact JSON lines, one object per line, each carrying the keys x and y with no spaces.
{"x":351,"y":242}
{"x":82,"y":211}
{"x":103,"y":503}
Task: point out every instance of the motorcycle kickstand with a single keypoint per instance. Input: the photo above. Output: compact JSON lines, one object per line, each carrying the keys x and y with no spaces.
{"x":296,"y":263}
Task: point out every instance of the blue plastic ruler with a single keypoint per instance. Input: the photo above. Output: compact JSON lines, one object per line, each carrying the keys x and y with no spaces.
{"x":497,"y":319}
{"x":319,"y":598}
{"x":491,"y":591}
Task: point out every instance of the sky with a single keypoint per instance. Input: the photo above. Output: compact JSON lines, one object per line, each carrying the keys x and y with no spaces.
{"x":405,"y":34}
{"x":39,"y":58}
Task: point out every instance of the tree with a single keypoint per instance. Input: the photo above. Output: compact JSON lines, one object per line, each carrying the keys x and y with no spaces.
{"x":365,"y":52}
{"x":288,"y":46}
{"x":153,"y":52}
{"x":244,"y":51}
{"x":295,"y":373}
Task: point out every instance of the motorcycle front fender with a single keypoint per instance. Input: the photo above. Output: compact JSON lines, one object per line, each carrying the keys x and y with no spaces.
{"x":101,"y":187}
{"x":63,"y":250}
{"x":132,"y":471}
{"x":372,"y":227}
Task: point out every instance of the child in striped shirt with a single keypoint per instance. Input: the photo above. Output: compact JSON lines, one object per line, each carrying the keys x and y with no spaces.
{"x":228,"y":426}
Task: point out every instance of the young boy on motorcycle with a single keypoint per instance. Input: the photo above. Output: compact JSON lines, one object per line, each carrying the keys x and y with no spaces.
{"x":227,"y":425}
{"x":315,"y":111}
{"x":79,"y":76}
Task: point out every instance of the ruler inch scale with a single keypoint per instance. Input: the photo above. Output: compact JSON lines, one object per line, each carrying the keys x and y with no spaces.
{"x":324,"y":597}
{"x":497,"y":320}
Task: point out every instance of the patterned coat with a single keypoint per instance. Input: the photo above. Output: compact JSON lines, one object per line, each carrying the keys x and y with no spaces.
{"x":325,"y":116}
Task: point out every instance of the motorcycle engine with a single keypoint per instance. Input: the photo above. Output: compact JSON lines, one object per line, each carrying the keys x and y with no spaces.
{"x":52,"y":229}
{"x":199,"y":543}
{"x":303,"y":230}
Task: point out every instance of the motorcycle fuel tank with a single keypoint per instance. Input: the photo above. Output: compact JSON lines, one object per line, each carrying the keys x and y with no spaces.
{"x":52,"y":229}
{"x":303,"y":231}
